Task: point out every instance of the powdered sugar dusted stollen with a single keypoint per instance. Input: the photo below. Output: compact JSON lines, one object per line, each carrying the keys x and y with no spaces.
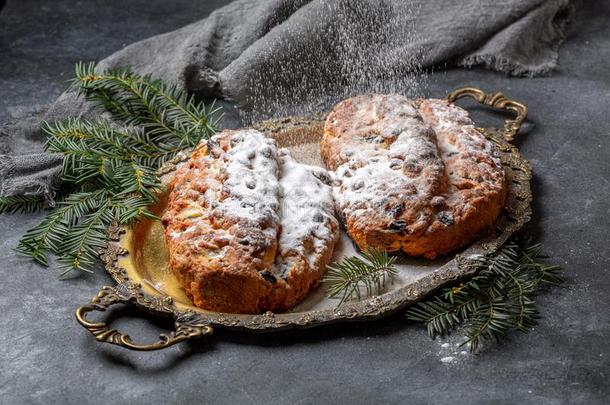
{"x":411,"y":175}
{"x":248,"y":228}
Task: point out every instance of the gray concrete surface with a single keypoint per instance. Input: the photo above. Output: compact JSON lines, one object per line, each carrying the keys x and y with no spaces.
{"x":45,"y":357}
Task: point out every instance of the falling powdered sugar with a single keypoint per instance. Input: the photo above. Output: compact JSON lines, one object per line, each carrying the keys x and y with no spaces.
{"x":364,"y":48}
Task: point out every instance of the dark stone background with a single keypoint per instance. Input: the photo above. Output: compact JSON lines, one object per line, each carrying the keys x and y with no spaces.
{"x":45,"y":357}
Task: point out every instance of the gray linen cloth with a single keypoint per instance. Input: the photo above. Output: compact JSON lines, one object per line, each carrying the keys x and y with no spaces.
{"x":277,"y":57}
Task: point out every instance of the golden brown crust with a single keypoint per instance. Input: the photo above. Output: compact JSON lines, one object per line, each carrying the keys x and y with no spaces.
{"x":411,"y":175}
{"x":232,"y":245}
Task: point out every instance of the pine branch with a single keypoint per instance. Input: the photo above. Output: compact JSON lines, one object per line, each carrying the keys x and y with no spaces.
{"x":49,"y":235}
{"x":108,"y":172}
{"x":99,"y":135}
{"x":498,"y":299}
{"x":371,"y":272}
{"x":160,"y":108}
{"x":492,"y":320}
{"x":81,"y":246}
{"x":21,"y":204}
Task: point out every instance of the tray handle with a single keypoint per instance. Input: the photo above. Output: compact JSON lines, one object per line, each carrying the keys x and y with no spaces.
{"x":495,"y":100}
{"x":108,"y":296}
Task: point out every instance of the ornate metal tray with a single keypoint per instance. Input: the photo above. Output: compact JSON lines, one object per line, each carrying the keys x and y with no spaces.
{"x":137,"y":260}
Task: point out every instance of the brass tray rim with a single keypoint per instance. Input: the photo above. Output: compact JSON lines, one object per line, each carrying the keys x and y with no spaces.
{"x":193,"y":322}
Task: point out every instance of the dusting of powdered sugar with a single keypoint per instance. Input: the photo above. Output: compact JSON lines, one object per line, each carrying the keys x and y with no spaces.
{"x":452,"y":351}
{"x":451,"y":119}
{"x":461,"y":144}
{"x":251,"y":186}
{"x":389,"y":142}
{"x":307,"y":211}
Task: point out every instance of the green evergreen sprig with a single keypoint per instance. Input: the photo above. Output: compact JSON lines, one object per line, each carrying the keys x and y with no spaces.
{"x":108,"y":172}
{"x":498,"y":299}
{"x":358,"y":276}
{"x":165,"y":111}
{"x":21,"y":204}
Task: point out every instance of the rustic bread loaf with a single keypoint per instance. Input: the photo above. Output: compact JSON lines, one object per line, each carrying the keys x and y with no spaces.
{"x":248,"y":228}
{"x":411,"y":175}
